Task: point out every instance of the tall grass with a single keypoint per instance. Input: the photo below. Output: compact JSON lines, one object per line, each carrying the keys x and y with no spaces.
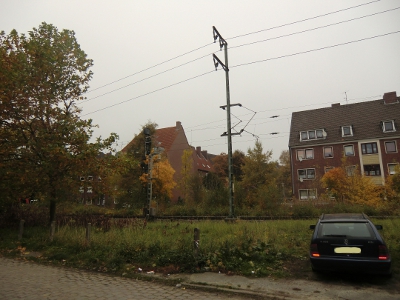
{"x":257,"y":248}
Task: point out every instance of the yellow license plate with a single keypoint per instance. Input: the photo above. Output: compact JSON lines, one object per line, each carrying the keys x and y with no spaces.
{"x":347,"y":250}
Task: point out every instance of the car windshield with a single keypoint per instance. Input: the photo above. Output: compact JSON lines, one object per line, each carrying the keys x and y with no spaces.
{"x":348,"y":229}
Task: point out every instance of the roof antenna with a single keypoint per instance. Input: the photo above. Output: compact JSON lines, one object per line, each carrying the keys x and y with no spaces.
{"x":345,"y":94}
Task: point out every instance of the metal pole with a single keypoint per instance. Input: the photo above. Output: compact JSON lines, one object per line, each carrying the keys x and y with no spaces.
{"x":223,"y":43}
{"x":228,"y":113}
{"x":149,"y":185}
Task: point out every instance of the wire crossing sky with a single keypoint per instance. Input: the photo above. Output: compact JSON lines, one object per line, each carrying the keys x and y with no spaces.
{"x":153,"y":61}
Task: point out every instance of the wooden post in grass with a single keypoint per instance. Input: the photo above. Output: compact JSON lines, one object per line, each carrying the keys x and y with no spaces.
{"x":21,"y":229}
{"x":196,"y":243}
{"x":88,"y":232}
{"x":52,"y":228}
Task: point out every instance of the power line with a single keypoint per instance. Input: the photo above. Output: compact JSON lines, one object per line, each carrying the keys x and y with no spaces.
{"x":245,"y":64}
{"x":152,"y":92}
{"x":314,"y":50}
{"x":156,"y":65}
{"x":242,"y":45}
{"x":144,"y":79}
{"x":273,"y":110}
{"x":303,"y":20}
{"x":315,"y":28}
{"x":284,"y":108}
{"x":246,"y":34}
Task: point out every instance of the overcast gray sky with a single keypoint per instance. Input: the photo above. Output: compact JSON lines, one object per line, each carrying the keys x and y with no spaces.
{"x":153,"y":61}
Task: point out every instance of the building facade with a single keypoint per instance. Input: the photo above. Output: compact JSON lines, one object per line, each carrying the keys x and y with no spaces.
{"x":367,"y":134}
{"x":174,"y":141}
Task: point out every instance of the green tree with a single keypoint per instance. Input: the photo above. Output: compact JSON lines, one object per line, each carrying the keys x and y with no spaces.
{"x":45,"y":144}
{"x":284,"y":178}
{"x":186,"y":174}
{"x":258,"y":171}
{"x":131,"y":189}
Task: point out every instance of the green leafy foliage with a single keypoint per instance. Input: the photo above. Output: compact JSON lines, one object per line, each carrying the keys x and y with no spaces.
{"x":44,"y":144}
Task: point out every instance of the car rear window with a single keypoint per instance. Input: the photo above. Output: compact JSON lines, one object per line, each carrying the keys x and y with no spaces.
{"x":348,"y":229}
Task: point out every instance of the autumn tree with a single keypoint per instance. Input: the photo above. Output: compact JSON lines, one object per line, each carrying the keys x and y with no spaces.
{"x":220,"y":163}
{"x":395,"y":180}
{"x":45,"y":144}
{"x":392,"y":186}
{"x":162,"y":180}
{"x":346,"y":183}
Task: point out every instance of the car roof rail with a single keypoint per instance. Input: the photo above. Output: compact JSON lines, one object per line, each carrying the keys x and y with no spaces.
{"x":365,"y":216}
{"x":322,"y":216}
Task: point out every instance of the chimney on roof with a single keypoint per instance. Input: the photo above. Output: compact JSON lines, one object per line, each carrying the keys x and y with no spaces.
{"x":390,"y":98}
{"x":198,"y":151}
{"x":335,"y":104}
{"x":178,"y":125}
{"x":205,"y":154}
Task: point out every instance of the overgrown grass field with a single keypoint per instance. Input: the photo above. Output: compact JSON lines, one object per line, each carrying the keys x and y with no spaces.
{"x":251,"y":248}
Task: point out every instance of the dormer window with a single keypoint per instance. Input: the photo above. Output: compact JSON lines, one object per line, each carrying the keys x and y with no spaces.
{"x":347,"y":131}
{"x":388,"y":126}
{"x":312,"y":134}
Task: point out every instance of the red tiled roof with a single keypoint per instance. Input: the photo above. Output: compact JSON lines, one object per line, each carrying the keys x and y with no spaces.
{"x":201,"y":160}
{"x":166,"y":137}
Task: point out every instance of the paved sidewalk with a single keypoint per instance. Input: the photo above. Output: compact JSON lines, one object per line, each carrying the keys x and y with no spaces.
{"x":295,"y":289}
{"x":28,"y":280}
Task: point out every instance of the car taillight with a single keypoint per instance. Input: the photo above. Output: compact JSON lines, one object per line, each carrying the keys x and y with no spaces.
{"x":314,"y":250}
{"x":383,"y":252}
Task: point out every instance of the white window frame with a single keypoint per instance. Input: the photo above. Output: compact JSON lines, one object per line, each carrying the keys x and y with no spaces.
{"x":350,"y":170}
{"x":311,"y":194}
{"x":393,"y":171}
{"x":350,"y":130}
{"x":395,"y":146}
{"x":387,"y":122}
{"x":325,"y":156}
{"x":327,"y":169}
{"x":307,"y":173}
{"x":305,"y":151}
{"x":344,"y":150}
{"x":316,"y":133}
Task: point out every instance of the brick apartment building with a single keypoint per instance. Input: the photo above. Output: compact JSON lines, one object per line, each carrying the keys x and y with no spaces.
{"x":366,"y":133}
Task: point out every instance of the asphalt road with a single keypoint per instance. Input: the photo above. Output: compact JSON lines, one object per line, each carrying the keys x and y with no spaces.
{"x":27,"y":280}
